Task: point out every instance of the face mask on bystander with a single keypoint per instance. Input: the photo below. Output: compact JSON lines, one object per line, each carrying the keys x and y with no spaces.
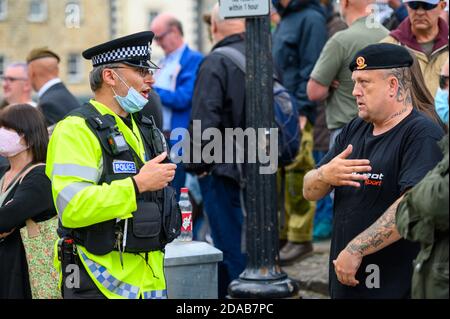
{"x":441,"y":104}
{"x":10,"y":143}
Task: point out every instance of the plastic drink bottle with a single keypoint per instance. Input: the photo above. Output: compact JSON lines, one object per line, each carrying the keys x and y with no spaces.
{"x":186,"y":216}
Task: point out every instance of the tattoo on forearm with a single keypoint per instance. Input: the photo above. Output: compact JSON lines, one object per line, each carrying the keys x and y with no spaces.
{"x":377,"y":234}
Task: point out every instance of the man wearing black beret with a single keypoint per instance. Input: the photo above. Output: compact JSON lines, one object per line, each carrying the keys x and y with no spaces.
{"x":377,"y":157}
{"x":109,"y":181}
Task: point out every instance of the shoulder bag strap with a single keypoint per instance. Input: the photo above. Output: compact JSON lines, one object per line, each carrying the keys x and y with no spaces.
{"x":32,"y":226}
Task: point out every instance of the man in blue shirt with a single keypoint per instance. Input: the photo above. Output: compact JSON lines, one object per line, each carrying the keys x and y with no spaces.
{"x":175,"y":79}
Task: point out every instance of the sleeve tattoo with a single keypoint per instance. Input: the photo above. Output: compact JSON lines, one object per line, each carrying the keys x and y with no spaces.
{"x":379,"y":235}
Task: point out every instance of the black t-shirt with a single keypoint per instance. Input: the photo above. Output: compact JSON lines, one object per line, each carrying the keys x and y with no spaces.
{"x":399,"y":158}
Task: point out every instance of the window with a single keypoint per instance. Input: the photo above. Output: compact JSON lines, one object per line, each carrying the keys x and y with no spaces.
{"x":113,"y":15}
{"x":152,"y":15}
{"x":37,"y":10}
{"x":73,"y":14}
{"x":3,"y":9}
{"x":2,"y":64}
{"x":74,"y":68}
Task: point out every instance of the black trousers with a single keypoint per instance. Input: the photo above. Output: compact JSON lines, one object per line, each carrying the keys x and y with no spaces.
{"x":86,"y":287}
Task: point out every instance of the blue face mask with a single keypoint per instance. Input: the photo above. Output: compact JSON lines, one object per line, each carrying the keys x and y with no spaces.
{"x":441,"y":104}
{"x":133,"y":102}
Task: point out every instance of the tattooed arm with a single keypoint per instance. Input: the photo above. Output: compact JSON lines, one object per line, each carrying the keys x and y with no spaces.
{"x":380,"y":234}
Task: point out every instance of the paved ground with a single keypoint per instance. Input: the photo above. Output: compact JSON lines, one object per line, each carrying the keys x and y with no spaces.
{"x":312,"y":272}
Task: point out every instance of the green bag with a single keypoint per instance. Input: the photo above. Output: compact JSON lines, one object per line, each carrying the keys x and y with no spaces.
{"x":38,"y":240}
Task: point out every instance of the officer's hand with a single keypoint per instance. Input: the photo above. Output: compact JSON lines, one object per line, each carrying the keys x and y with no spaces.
{"x":341,"y":171}
{"x":346,"y":266}
{"x":155,"y":175}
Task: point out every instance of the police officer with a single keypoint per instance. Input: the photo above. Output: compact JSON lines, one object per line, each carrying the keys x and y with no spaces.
{"x":109,"y":181}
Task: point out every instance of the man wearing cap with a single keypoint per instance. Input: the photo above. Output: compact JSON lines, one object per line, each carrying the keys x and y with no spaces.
{"x":426,"y":35}
{"x":378,"y":156}
{"x":333,"y":62}
{"x":109,"y":182}
{"x":55,"y":100}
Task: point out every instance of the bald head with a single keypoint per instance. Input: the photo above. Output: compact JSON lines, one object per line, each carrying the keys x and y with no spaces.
{"x":42,"y":70}
{"x":168,"y":32}
{"x":361,"y":5}
{"x":165,"y":20}
{"x":221,"y":28}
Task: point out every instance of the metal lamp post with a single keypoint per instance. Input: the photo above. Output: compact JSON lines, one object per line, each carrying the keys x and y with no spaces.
{"x":262,"y":277}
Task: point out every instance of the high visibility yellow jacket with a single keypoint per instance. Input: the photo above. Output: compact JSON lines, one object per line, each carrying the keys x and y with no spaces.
{"x":74,"y":166}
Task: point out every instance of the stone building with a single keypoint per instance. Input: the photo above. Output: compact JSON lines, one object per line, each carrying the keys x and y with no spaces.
{"x":64,"y":26}
{"x":136,"y":15}
{"x":70,"y":26}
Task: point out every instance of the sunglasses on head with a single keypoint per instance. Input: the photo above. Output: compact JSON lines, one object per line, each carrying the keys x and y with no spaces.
{"x":415,"y":5}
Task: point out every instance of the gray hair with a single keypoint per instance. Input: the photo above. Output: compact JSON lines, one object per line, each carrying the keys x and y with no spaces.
{"x":96,"y":75}
{"x":21,"y":65}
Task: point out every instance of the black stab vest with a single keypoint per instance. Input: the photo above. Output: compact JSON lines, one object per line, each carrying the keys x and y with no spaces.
{"x":157,"y":220}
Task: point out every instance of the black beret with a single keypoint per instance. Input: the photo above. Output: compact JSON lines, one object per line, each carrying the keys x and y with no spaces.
{"x":381,"y":56}
{"x":133,"y":49}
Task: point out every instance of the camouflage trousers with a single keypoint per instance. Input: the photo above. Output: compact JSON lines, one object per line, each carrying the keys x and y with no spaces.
{"x":299,"y":212}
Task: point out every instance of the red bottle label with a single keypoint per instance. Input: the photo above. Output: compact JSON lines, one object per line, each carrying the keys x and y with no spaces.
{"x":186,"y":218}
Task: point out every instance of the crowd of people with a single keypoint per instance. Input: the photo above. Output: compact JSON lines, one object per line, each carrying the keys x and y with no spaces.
{"x":371,"y":173}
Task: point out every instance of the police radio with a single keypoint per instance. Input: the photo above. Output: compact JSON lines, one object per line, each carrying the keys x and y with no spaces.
{"x":157,"y":140}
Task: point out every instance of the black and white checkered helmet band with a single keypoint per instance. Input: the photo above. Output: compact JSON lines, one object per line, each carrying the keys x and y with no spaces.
{"x":121,"y":54}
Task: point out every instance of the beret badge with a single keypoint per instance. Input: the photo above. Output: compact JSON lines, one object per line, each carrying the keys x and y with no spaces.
{"x":361,"y":63}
